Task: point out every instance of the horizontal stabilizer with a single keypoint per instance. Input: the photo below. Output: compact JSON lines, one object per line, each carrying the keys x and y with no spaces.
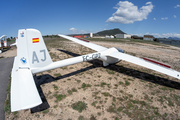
{"x":85,"y":43}
{"x":144,"y":63}
{"x":13,"y":44}
{"x":24,"y":94}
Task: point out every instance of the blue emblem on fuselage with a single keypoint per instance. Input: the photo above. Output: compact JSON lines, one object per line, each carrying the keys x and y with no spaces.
{"x":22,"y":34}
{"x":23,"y":60}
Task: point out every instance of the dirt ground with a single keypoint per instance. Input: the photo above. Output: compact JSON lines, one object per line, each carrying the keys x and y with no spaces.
{"x":9,"y":53}
{"x":120,"y":91}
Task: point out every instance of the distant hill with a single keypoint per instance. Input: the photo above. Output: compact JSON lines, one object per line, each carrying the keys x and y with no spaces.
{"x":109,"y":32}
{"x":173,"y":38}
{"x":104,"y":32}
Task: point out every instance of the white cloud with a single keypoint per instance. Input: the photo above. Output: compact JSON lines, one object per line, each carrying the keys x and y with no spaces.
{"x":75,"y":31}
{"x":128,"y":13}
{"x":171,"y":35}
{"x":154,"y":18}
{"x":157,"y":35}
{"x":164,"y":18}
{"x":72,"y":29}
{"x":177,"y":6}
{"x":166,"y":35}
{"x":175,"y":16}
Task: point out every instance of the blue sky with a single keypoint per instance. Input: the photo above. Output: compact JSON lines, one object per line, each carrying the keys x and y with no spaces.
{"x":159,"y":18}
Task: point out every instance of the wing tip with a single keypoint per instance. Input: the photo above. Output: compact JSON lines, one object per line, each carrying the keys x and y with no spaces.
{"x":13,"y":109}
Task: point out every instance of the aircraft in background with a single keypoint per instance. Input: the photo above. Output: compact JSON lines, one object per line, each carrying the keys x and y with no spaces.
{"x":3,"y":43}
{"x":33,"y":57}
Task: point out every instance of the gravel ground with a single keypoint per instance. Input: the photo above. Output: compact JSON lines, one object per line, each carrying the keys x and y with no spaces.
{"x":119,"y":91}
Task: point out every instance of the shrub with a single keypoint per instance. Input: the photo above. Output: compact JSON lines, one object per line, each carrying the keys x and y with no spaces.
{"x":79,"y":106}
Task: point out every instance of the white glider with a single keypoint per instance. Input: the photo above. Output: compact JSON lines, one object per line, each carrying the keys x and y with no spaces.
{"x":33,"y":57}
{"x":3,"y":42}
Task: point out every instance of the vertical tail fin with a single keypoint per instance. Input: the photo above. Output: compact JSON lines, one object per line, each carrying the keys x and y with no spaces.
{"x":31,"y":49}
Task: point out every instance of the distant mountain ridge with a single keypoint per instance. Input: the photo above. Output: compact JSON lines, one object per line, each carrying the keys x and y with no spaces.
{"x":104,"y":32}
{"x":109,"y":32}
{"x":173,"y":38}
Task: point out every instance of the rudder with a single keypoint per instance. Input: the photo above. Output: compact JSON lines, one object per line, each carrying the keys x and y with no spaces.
{"x":32,"y":49}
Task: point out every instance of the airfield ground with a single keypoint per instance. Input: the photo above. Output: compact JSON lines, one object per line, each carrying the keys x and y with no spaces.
{"x":89,"y":91}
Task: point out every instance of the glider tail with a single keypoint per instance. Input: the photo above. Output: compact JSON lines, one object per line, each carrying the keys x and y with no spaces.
{"x":31,"y":54}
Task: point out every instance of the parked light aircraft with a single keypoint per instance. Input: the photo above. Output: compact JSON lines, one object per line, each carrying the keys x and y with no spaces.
{"x":3,"y":42}
{"x":33,"y":57}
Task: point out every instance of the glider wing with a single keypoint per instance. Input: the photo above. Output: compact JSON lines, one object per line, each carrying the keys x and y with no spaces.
{"x":144,"y":63}
{"x":128,"y":58}
{"x":85,"y":43}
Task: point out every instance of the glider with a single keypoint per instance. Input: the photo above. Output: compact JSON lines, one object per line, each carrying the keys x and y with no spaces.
{"x":3,"y":42}
{"x":33,"y":57}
